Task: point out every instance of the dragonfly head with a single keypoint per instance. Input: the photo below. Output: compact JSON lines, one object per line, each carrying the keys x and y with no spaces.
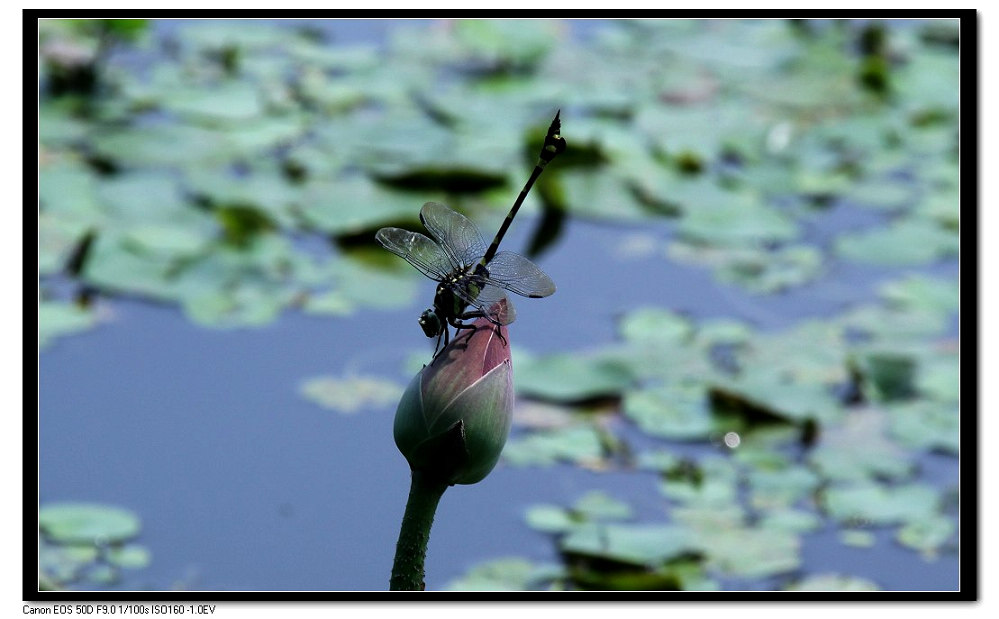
{"x":431,"y":322}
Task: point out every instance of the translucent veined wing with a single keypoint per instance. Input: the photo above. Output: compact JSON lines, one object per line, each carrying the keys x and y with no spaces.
{"x":519,"y":275}
{"x":416,"y":249}
{"x":457,"y":235}
{"x":490,"y":300}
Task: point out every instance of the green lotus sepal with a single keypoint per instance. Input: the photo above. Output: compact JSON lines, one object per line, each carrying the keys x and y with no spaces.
{"x":455,"y":415}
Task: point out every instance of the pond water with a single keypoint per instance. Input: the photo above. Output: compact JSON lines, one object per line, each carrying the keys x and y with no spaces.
{"x":244,"y":484}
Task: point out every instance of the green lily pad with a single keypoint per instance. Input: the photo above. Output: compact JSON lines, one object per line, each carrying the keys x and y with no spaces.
{"x":352,"y":393}
{"x":857,"y":538}
{"x":921,"y":292}
{"x":858,"y":449}
{"x":881,"y":194}
{"x":655,"y":326}
{"x":355,"y":204}
{"x":794,"y":520}
{"x":645,"y":544}
{"x":507,"y":574}
{"x":927,"y":425}
{"x":735,"y":219}
{"x":832,"y":582}
{"x":68,"y":189}
{"x":598,"y":505}
{"x":551,"y":518}
{"x":580,"y":444}
{"x":671,"y":411}
{"x":571,"y":377}
{"x":927,"y":535}
{"x":880,"y":505}
{"x":709,"y":486}
{"x":162,"y":145}
{"x":894,"y":325}
{"x":130,"y":556}
{"x":599,"y":196}
{"x":657,"y":460}
{"x":887,"y":375}
{"x":909,"y":242}
{"x":780,"y":488}
{"x":755,"y":269}
{"x":751,"y":552}
{"x":87,"y":523}
{"x":57,"y":319}
{"x":229,"y":102}
{"x":58,"y":238}
{"x":939,"y":378}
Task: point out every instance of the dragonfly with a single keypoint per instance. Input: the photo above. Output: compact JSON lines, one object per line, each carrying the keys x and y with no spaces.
{"x":472,"y":279}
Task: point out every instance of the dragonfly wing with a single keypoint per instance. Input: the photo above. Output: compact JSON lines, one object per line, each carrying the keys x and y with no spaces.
{"x":519,"y":275}
{"x":416,"y":249}
{"x":457,"y":235}
{"x":494,"y":303}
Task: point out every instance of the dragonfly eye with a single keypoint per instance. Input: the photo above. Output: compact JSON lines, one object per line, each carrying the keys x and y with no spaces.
{"x":430,"y":322}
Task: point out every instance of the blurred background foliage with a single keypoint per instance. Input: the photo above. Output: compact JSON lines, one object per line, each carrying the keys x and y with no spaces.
{"x":239,"y":170}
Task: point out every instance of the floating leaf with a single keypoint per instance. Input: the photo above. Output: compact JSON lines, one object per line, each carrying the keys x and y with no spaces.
{"x":351,"y":393}
{"x":857,"y":538}
{"x":751,"y":553}
{"x":580,"y":444}
{"x":858,"y":449}
{"x":888,"y":375}
{"x":506,"y":574}
{"x":130,"y":556}
{"x":87,"y":523}
{"x":646,"y":544}
{"x":655,"y":326}
{"x":758,"y":270}
{"x":782,"y":487}
{"x":550,"y":518}
{"x":568,"y":377}
{"x":927,"y":425}
{"x":598,"y":505}
{"x":927,"y":535}
{"x":921,"y":292}
{"x":907,"y":242}
{"x":879,"y":505}
{"x":940,"y":378}
{"x":832,"y":582}
{"x":57,"y":319}
{"x":229,"y":102}
{"x":671,"y":411}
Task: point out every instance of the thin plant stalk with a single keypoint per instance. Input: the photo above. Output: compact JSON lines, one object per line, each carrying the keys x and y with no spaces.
{"x":425,"y":493}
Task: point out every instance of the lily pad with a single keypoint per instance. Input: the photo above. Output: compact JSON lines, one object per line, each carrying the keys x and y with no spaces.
{"x":921,"y":292}
{"x":833,"y":582}
{"x":909,"y":242}
{"x":87,"y":523}
{"x":927,"y":535}
{"x":646,"y":544}
{"x":229,"y":102}
{"x":580,"y":444}
{"x":672,"y":411}
{"x":57,"y":319}
{"x":927,"y":425}
{"x":867,"y":502}
{"x":507,"y":574}
{"x":130,"y":556}
{"x":352,"y":393}
{"x":655,"y":326}
{"x":858,"y":449}
{"x":598,"y":505}
{"x":569,"y":377}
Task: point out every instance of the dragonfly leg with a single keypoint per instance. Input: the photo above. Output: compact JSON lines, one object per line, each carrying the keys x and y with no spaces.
{"x":438,"y":349}
{"x":459,"y":325}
